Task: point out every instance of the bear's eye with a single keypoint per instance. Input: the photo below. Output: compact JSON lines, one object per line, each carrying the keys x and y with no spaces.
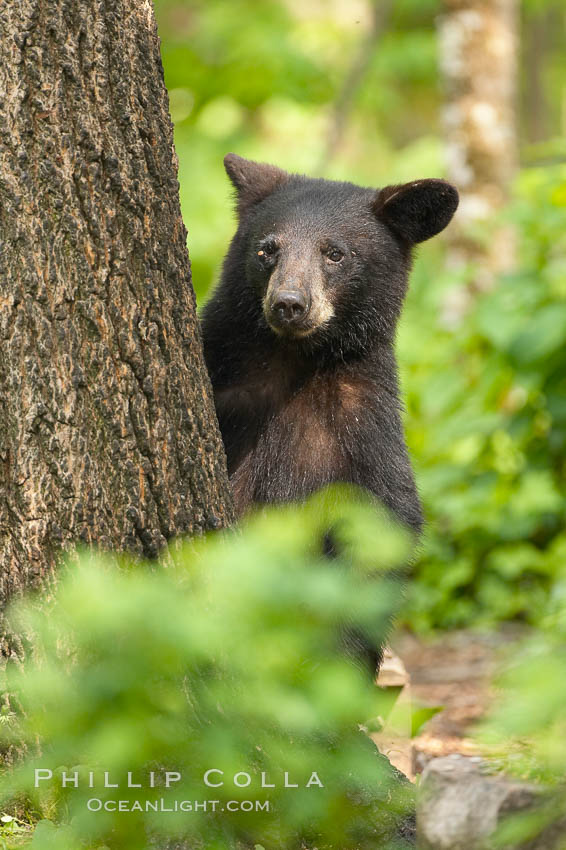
{"x":334,"y":255}
{"x":268,"y":249}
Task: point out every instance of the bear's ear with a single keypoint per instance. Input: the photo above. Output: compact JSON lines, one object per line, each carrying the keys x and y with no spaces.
{"x":417,"y":210}
{"x":253,"y":181}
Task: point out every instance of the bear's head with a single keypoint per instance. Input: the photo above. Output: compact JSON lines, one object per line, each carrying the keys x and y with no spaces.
{"x":330,"y":260}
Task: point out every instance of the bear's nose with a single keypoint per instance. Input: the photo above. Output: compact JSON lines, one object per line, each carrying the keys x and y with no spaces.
{"x":289,"y":305}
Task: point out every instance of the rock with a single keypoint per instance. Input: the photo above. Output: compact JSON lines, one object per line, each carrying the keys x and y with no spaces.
{"x":460,"y":805}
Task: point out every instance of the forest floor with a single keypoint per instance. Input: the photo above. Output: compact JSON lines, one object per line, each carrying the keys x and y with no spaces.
{"x":453,"y":672}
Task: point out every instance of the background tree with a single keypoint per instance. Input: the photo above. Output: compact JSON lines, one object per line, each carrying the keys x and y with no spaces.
{"x":478,"y":50}
{"x":107,"y":429}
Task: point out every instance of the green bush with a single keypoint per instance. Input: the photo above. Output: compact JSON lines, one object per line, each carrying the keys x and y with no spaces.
{"x":526,"y":728}
{"x":228,"y":657}
{"x":487,"y":427}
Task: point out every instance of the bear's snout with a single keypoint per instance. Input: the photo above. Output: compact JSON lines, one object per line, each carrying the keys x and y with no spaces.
{"x":289,"y":305}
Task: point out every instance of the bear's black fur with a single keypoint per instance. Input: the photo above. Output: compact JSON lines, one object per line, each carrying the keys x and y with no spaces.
{"x":299,"y":334}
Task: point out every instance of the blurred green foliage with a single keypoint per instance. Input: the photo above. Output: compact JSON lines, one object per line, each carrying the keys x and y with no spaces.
{"x":227,"y":656}
{"x":526,"y":728}
{"x":487,"y":426}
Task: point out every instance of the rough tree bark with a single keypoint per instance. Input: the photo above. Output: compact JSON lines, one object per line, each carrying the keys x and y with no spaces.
{"x":478,"y":54}
{"x":107,"y":429}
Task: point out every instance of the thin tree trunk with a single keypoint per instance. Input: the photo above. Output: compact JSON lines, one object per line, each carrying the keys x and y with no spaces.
{"x":108,"y":434}
{"x":537,"y":44}
{"x":345,"y":102}
{"x":478,"y":47}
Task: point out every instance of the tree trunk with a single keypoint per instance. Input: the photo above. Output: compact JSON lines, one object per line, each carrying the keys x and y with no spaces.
{"x":478,"y":46}
{"x":108,"y":433}
{"x":539,"y":27}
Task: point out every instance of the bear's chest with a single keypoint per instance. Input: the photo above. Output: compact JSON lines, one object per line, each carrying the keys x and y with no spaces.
{"x":283,"y":445}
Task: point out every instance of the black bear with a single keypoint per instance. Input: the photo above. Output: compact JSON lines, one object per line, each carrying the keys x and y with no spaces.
{"x":299,"y":334}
